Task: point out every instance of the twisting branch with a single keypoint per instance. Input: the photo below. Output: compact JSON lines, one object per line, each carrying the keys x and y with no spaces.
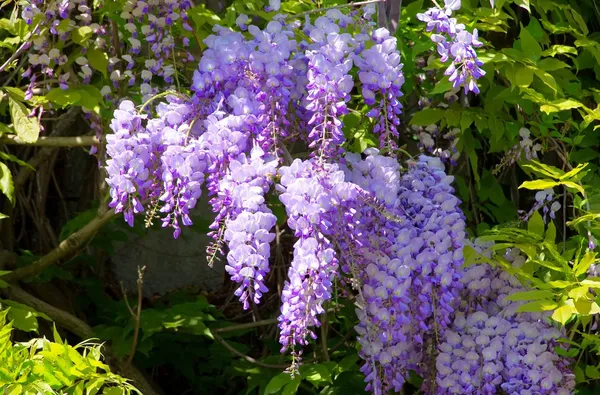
{"x":54,"y":142}
{"x":81,"y":330}
{"x":234,"y":351}
{"x":68,"y":246}
{"x":248,"y":325}
{"x":20,"y":50}
{"x":138,"y":315}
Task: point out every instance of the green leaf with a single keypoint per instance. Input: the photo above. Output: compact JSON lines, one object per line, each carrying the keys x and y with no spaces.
{"x":531,"y":295}
{"x":579,"y":292}
{"x":584,"y":263}
{"x":12,"y":158}
{"x":98,"y":60}
{"x":586,"y":307}
{"x":6,"y":183}
{"x":539,"y":184}
{"x":81,"y":35}
{"x":443,"y":86}
{"x":542,"y":169}
{"x":27,"y":128}
{"x":529,"y":45}
{"x":315,"y":373}
{"x":63,"y":98}
{"x":563,"y":313}
{"x":571,"y":184}
{"x":560,"y":50}
{"x":560,"y":105}
{"x":547,"y":79}
{"x":14,"y":389}
{"x":550,"y":233}
{"x":524,"y":76}
{"x":23,"y":317}
{"x":427,"y":117}
{"x":592,"y":372}
{"x":292,"y":388}
{"x":536,"y":224}
{"x":537,"y":306}
{"x":573,"y":172}
{"x":551,"y":64}
{"x":277,"y":383}
{"x":523,"y":4}
{"x":113,"y":391}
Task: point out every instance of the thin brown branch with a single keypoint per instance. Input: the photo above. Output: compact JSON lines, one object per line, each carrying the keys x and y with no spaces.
{"x":126,"y":301}
{"x":25,"y":46}
{"x":234,"y":351}
{"x":324,"y":328}
{"x":138,"y":315}
{"x":67,"y":247}
{"x":53,"y":142}
{"x":248,"y":325}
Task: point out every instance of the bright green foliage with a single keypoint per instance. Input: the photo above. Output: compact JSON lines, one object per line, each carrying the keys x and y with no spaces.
{"x":41,"y":366}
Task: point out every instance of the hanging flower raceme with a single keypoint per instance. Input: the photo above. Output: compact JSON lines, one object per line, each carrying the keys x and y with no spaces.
{"x":329,"y":86}
{"x":131,"y":161}
{"x":396,"y":233}
{"x":455,"y":43}
{"x":385,"y":279}
{"x":381,"y":78}
{"x":308,"y":193}
{"x":249,"y":223}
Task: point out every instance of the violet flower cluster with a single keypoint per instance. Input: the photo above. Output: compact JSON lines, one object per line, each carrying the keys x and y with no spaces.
{"x":309,"y":193}
{"x":490,"y":348}
{"x":55,"y":23}
{"x":396,"y":233}
{"x":248,"y":226}
{"x":382,"y":79}
{"x":456,"y":44}
{"x":410,"y":264}
{"x":155,"y":24}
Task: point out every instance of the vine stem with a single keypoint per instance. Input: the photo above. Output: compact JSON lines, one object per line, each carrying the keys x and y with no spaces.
{"x":138,"y":315}
{"x":355,"y":4}
{"x":68,"y":246}
{"x":20,"y":50}
{"x":240,"y":354}
{"x":53,"y":142}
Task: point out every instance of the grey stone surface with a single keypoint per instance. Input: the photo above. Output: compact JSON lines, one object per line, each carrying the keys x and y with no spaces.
{"x":170,"y":264}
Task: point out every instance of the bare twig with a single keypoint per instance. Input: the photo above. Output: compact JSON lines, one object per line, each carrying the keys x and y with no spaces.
{"x":234,"y":351}
{"x":20,"y":50}
{"x":138,"y":315}
{"x":324,"y":337}
{"x":248,"y":325}
{"x":126,"y":301}
{"x":286,"y":153}
{"x":54,"y":142}
{"x":68,"y":246}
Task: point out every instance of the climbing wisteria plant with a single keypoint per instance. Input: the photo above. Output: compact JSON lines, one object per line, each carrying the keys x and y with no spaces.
{"x":365,"y":167}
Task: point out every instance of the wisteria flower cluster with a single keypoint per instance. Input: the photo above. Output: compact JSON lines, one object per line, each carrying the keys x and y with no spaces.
{"x":437,"y":142}
{"x":393,"y":233}
{"x":410,"y":265}
{"x":490,"y":348}
{"x":456,"y":44}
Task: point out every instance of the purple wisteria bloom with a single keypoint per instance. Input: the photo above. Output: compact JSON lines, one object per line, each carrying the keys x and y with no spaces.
{"x":456,"y":44}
